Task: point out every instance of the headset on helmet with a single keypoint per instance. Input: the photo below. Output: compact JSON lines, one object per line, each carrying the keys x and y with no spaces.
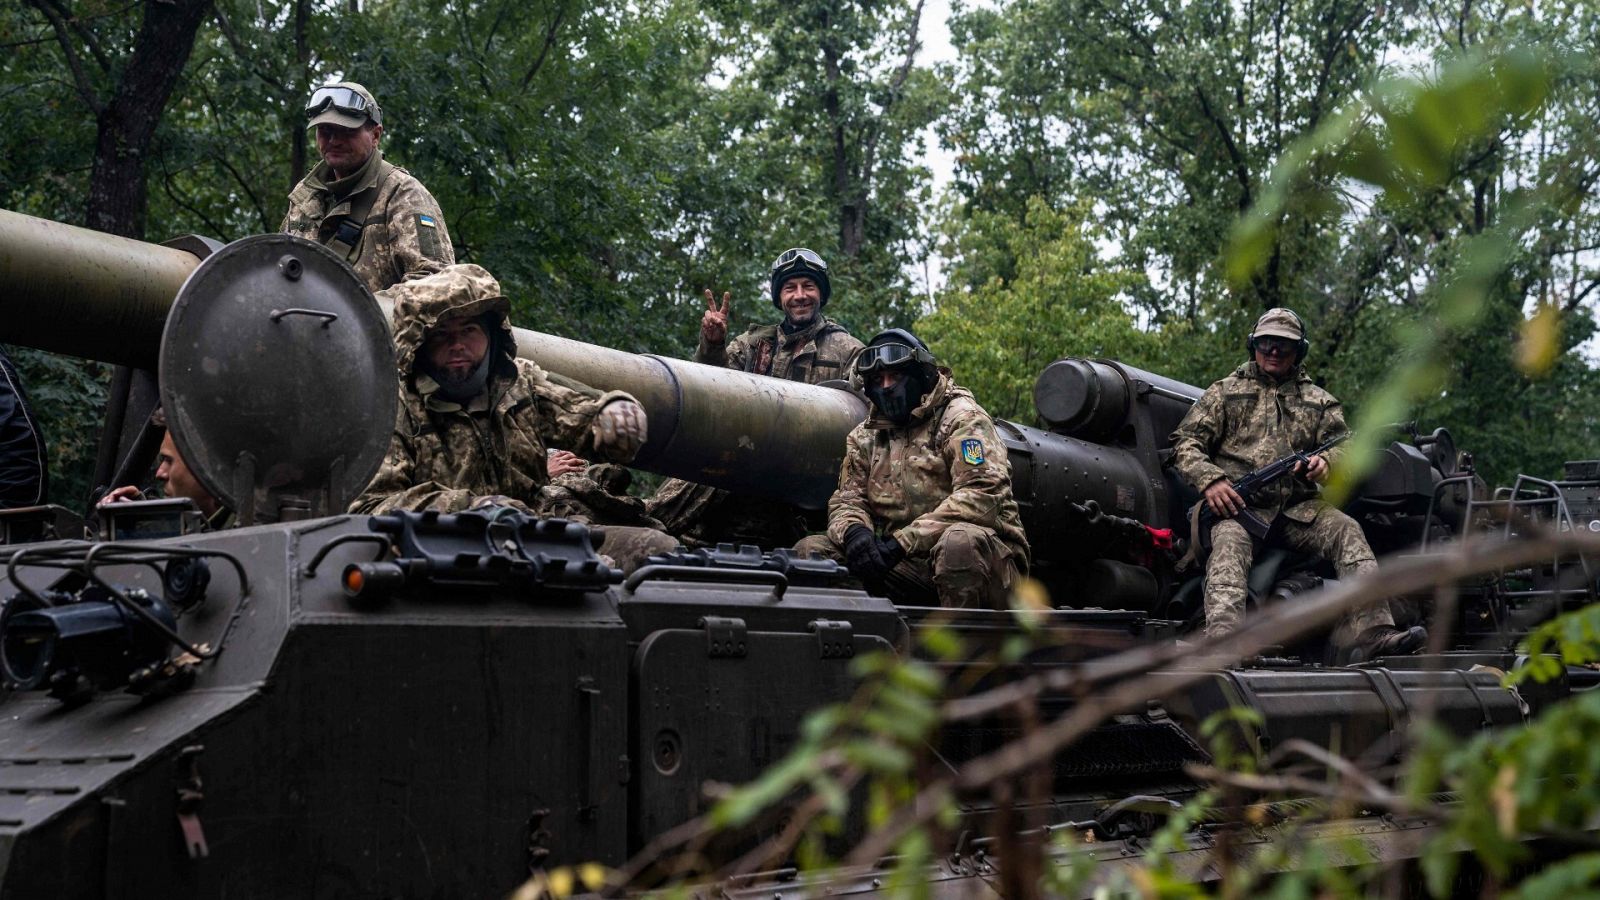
{"x":1301,"y":346}
{"x":795,"y":262}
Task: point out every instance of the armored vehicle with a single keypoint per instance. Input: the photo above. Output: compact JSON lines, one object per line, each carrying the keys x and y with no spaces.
{"x":420,"y":705}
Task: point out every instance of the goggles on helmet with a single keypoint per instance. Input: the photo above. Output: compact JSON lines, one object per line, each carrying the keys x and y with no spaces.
{"x":891,"y":356}
{"x":341,"y":98}
{"x":798,"y":258}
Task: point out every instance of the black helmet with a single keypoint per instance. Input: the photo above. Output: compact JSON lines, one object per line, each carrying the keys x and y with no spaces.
{"x":799,"y":261}
{"x":898,"y":348}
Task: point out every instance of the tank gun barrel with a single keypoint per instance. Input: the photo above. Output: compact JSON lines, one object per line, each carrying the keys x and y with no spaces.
{"x":85,"y":293}
{"x":99,"y":296}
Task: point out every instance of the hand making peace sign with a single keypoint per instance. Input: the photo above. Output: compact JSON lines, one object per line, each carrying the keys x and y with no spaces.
{"x":714,"y":324}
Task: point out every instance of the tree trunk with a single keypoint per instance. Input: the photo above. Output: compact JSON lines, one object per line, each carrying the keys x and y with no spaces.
{"x":117,"y":202}
{"x":849,"y":237}
{"x":302,"y":80}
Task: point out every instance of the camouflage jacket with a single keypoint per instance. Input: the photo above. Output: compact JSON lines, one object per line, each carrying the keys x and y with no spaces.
{"x":822,"y":351}
{"x":1247,"y":420}
{"x":947,"y":466}
{"x":445,"y":456}
{"x":404,"y":236}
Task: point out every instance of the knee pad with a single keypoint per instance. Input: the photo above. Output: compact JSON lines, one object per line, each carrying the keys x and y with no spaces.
{"x":961,"y":549}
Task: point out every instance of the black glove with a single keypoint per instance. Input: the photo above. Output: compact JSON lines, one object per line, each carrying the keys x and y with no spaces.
{"x":861,"y":553}
{"x":890,"y":551}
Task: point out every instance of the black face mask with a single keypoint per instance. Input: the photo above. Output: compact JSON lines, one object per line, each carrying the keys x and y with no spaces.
{"x":898,"y":402}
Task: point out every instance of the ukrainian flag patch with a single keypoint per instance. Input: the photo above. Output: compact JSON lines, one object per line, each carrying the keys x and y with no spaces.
{"x":972,"y":451}
{"x":426,"y":220}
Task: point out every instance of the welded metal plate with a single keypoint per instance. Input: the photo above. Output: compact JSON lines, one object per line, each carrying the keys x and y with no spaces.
{"x":277,"y":360}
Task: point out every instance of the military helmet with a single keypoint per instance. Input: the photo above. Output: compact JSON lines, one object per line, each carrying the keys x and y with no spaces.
{"x":1283,"y":322}
{"x":342,"y":103}
{"x":897,"y":349}
{"x":795,"y":262}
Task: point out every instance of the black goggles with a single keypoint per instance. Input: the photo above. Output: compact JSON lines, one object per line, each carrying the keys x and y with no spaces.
{"x":890,"y":356}
{"x":798,"y":258}
{"x":341,"y":98}
{"x":1268,"y":346}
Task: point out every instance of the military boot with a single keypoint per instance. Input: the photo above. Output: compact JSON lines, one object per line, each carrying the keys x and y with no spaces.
{"x":1385,"y":641}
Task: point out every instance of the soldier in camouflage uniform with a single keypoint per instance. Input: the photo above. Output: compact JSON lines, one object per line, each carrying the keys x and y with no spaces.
{"x":1267,"y":409}
{"x":806,"y":346}
{"x":474,"y":420}
{"x":176,"y":480}
{"x":924,"y":511}
{"x":375,"y":215}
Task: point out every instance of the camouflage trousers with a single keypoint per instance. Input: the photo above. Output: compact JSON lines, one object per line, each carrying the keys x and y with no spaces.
{"x":597,"y":497}
{"x":629,"y":547}
{"x":1332,"y":535}
{"x":703,"y":516}
{"x":969,"y":567}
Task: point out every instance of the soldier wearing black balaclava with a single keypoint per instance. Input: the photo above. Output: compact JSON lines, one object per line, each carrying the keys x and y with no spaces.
{"x":924,"y":511}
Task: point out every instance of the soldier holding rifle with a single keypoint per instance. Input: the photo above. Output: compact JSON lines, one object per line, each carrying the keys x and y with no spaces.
{"x":1266,"y":410}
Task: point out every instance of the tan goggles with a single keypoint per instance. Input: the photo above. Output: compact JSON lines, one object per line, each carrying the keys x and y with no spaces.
{"x":341,"y":98}
{"x":799,"y":257}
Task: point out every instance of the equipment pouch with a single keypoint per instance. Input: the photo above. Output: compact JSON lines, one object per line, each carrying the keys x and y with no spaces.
{"x":346,"y":240}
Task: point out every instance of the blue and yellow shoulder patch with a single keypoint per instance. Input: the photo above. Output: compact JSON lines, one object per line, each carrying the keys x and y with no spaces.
{"x":430,"y":239}
{"x":972,"y":451}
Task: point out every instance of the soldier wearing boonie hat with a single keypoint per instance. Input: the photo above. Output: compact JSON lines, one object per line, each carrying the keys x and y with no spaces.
{"x":475,"y":420}
{"x":1267,"y":409}
{"x":372,"y":213}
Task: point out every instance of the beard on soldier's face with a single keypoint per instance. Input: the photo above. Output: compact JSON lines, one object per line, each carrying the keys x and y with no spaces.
{"x":457,"y":372}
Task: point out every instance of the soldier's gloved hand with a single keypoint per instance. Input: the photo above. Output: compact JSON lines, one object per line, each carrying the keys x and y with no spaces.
{"x":862,"y":555}
{"x":620,"y":428}
{"x":890,"y":551}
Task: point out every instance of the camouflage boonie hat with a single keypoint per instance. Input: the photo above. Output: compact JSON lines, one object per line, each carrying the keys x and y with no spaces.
{"x":464,"y":290}
{"x":344,"y":118}
{"x":1279,"y":322}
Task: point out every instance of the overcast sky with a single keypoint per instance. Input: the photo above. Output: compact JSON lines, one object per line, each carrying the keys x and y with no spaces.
{"x":935,"y":49}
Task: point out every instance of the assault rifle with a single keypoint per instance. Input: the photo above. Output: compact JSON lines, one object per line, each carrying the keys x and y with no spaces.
{"x":1202,"y":518}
